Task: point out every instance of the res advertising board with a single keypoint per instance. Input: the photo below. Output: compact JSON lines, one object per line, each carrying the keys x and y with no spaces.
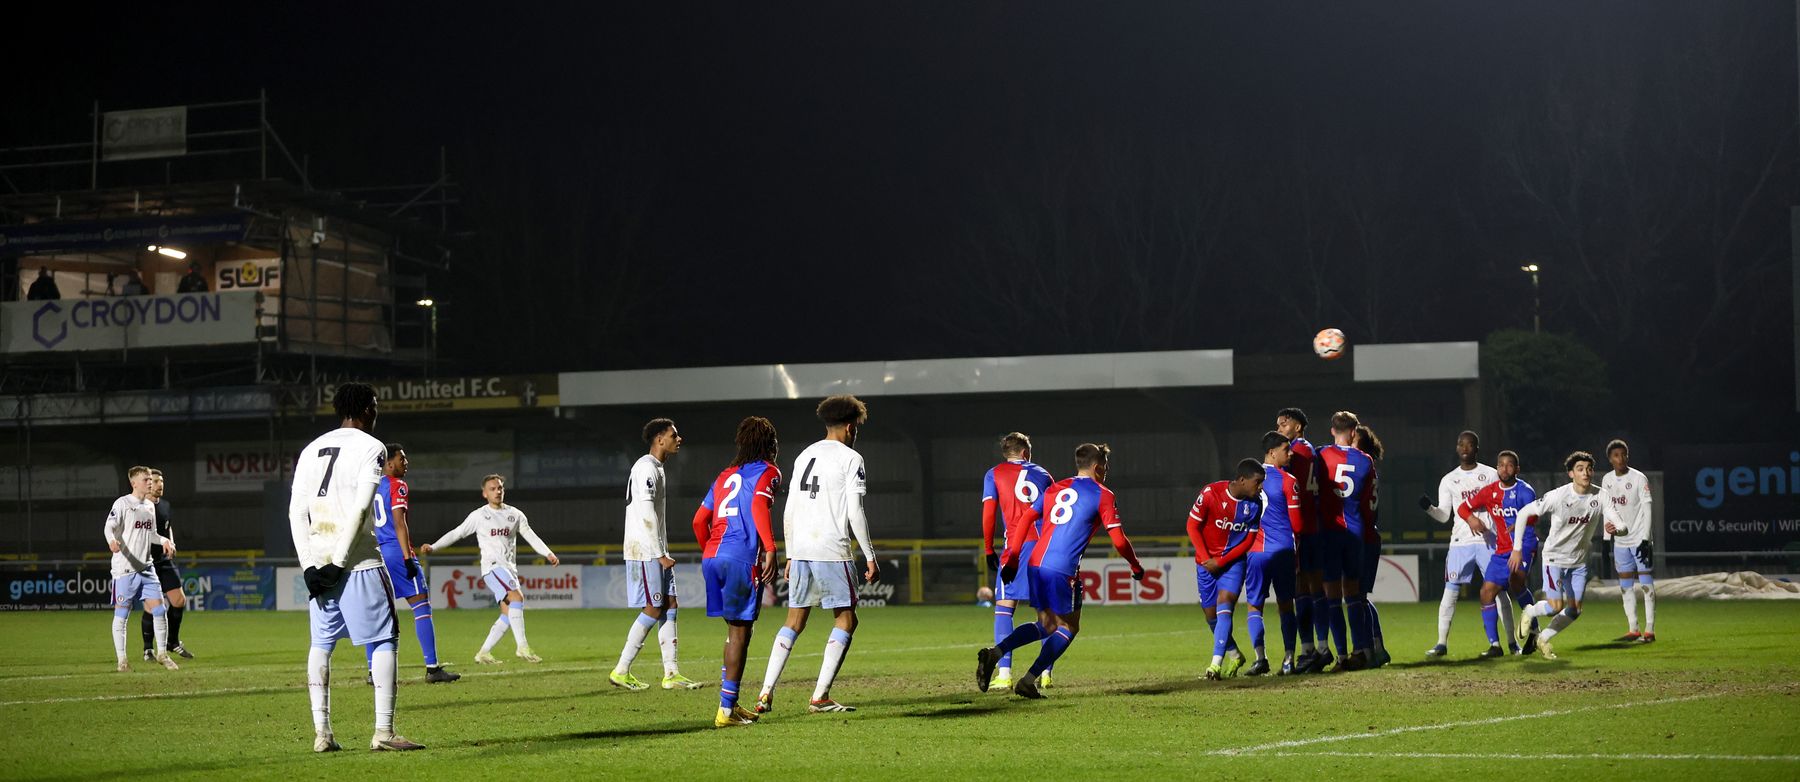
{"x":1732,"y":497}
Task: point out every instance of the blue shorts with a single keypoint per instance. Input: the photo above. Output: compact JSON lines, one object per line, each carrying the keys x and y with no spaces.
{"x":1499,"y":569}
{"x":730,"y":591}
{"x":1569,"y":582}
{"x":1306,"y":548}
{"x":404,"y":586}
{"x":1465,"y":563}
{"x":132,"y":587}
{"x":1269,"y":569}
{"x":1231,"y":579}
{"x":648,"y":583}
{"x":1626,"y":559}
{"x":820,"y":583}
{"x":360,"y":608}
{"x":1058,"y":593}
{"x":1020,"y":587}
{"x":1340,"y":554}
{"x":1371,"y":562}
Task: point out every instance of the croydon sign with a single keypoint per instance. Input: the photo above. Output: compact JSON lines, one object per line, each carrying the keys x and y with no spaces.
{"x":125,"y":322}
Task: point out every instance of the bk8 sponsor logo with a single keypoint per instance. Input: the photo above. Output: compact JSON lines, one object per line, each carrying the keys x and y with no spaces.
{"x":500,"y":533}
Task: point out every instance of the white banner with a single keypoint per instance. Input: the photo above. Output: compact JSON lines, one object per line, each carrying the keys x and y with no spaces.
{"x":117,"y":323}
{"x":222,"y":467}
{"x":1396,"y":579}
{"x":143,"y":133}
{"x":460,"y":586}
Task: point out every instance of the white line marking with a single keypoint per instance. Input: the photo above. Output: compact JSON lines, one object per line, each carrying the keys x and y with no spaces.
{"x":485,"y":674}
{"x":1460,"y":724}
{"x":1534,"y":756}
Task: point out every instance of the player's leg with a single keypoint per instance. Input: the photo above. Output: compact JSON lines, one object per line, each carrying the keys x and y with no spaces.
{"x":1456,"y":563}
{"x":177,"y":601}
{"x":367,"y":605}
{"x":122,"y":597}
{"x":1224,"y":607}
{"x":1647,"y":585}
{"x":1337,"y":565}
{"x":325,"y":625}
{"x":668,"y":637}
{"x":641,"y":594}
{"x":1256,"y":591}
{"x":803,"y":594}
{"x":151,"y":593}
{"x":733,"y":595}
{"x":515,"y":615}
{"x":1490,"y":615}
{"x":496,"y":582}
{"x":1281,"y":580}
{"x":1058,"y":598}
{"x":840,"y":596}
{"x":1370,"y":558}
{"x":1625,"y":561}
{"x":1356,"y":604}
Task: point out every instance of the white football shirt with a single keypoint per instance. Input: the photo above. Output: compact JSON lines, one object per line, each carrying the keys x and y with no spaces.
{"x":132,"y":522}
{"x":646,"y":521}
{"x":496,"y":531}
{"x":817,"y":523}
{"x":1457,"y":486}
{"x":1630,"y":498}
{"x":1574,"y":520}
{"x":331,"y":507}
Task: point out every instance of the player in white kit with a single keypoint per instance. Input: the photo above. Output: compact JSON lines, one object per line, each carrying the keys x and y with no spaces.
{"x":824,"y":510}
{"x":1574,"y":510}
{"x":649,"y":570}
{"x":497,"y":527}
{"x":1469,"y":552}
{"x":1629,"y":492}
{"x":331,"y":513}
{"x":130,"y":533}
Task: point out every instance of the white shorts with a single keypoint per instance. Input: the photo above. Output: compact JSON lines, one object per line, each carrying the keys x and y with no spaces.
{"x":822,"y":584}
{"x":1466,"y":563}
{"x":1626,"y":559}
{"x":1550,"y":586}
{"x":501,"y":582}
{"x":648,"y":583}
{"x":1571,"y":582}
{"x":132,"y":587}
{"x":361,"y":609}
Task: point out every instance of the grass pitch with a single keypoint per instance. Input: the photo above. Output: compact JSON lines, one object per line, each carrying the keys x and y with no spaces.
{"x":1717,"y":695}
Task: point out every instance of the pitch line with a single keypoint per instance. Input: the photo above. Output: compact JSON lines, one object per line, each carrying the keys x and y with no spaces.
{"x":1276,"y":745}
{"x":472,"y":674}
{"x":1534,"y":756}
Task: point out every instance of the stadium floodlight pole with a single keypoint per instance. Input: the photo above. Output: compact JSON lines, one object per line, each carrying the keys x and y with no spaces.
{"x":1537,"y":324}
{"x":431,"y":345}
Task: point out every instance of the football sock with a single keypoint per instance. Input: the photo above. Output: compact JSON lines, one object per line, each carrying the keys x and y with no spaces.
{"x":175,"y":613}
{"x":1628,"y":590}
{"x":385,"y":668}
{"x":159,"y":621}
{"x":835,"y":649}
{"x":1525,"y":599}
{"x":1505,"y":609}
{"x":728,"y":693}
{"x":1287,"y":632}
{"x":1375,"y":626}
{"x":1003,"y":627}
{"x":426,"y":631}
{"x":1255,"y":622}
{"x":1358,"y":609}
{"x":1057,"y":643}
{"x":1334,"y":618}
{"x":118,"y":630}
{"x":148,"y":630}
{"x":634,"y":641}
{"x":1561,"y":621}
{"x":1649,"y":588}
{"x":669,"y":640}
{"x":1490,"y":620}
{"x":515,"y":612}
{"x":1303,"y":617}
{"x":784,"y":643}
{"x":1321,"y":621}
{"x":318,"y":685}
{"x":494,"y":633}
{"x":1446,"y":611}
{"x":1022,"y":635}
{"x":1222,"y":631}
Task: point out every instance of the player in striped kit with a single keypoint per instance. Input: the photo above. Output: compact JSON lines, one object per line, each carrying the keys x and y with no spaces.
{"x":1346,"y":508}
{"x":735,"y":528}
{"x":1072,"y":510}
{"x":1272,"y":563}
{"x":1499,"y":503}
{"x":1469,"y":552}
{"x":1309,"y":589}
{"x":393,"y":537}
{"x":1628,"y":490}
{"x":1224,"y":526}
{"x":1573,"y":510}
{"x":497,"y":527}
{"x":130,"y":531}
{"x":1007,"y":493}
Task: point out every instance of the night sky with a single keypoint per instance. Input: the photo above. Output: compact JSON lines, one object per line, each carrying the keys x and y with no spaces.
{"x":725,"y":183}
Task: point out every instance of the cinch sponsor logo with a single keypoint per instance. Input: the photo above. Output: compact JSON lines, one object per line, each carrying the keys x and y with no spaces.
{"x":50,"y":584}
{"x":1713,"y":483}
{"x":50,"y":325}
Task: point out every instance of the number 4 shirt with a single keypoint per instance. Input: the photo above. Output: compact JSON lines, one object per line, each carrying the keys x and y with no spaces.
{"x":825,"y":507}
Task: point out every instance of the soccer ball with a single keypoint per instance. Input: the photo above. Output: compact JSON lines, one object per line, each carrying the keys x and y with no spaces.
{"x":1329,"y":344}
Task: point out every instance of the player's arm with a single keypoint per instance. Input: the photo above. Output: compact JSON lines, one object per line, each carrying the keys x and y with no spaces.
{"x":537,"y":543}
{"x":1440,"y":510}
{"x":989,"y":515}
{"x":857,"y":486}
{"x":1643,"y":521}
{"x":1243,"y":546}
{"x":1291,"y":486}
{"x":642,"y":510}
{"x":461,"y":531}
{"x":1115,"y":529}
{"x":762,"y":514}
{"x":1015,"y":543}
{"x":364,"y":501}
{"x":1524,"y":518}
{"x":114,"y":529}
{"x":1196,"y":524}
{"x":300,"y":521}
